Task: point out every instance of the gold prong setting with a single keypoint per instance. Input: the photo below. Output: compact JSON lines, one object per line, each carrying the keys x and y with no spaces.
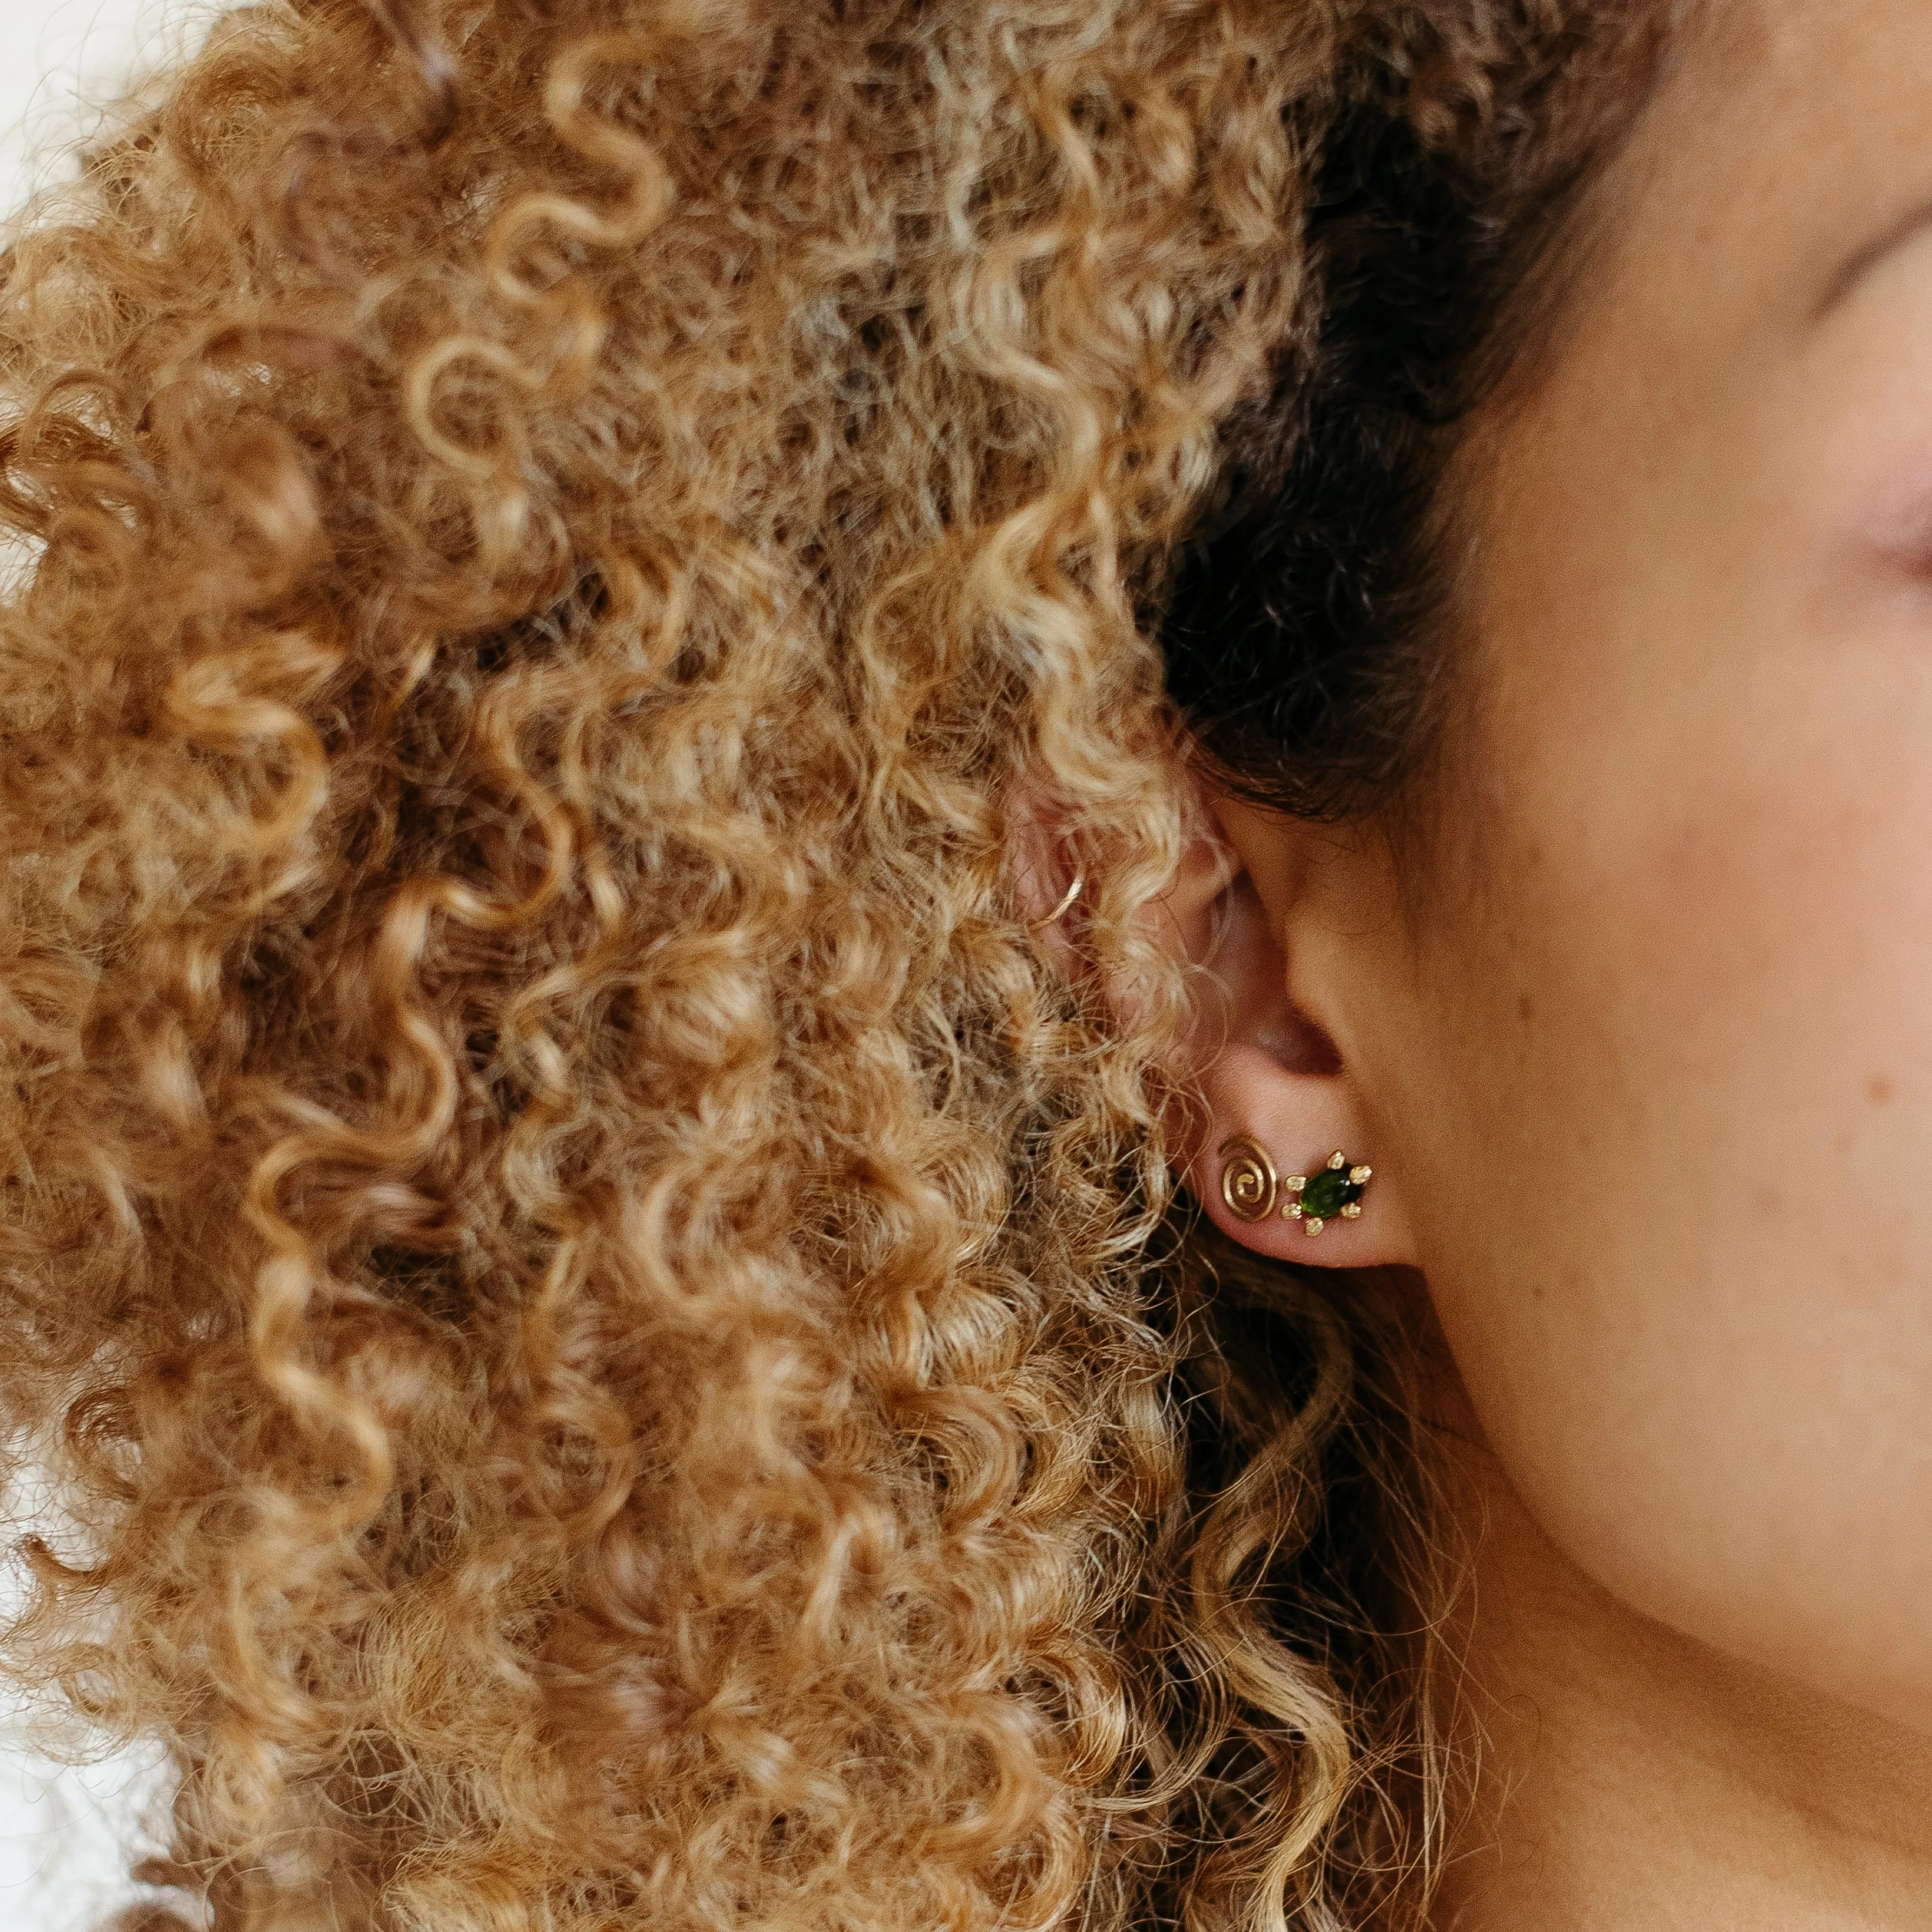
{"x":1336,"y":1192}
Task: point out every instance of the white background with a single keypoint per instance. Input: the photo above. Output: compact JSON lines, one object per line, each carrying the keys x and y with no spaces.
{"x":61,"y":60}
{"x":64,"y":1831}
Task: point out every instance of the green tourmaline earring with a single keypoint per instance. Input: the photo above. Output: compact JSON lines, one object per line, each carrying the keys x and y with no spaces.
{"x":1251,"y":1187}
{"x":1336,"y":1189}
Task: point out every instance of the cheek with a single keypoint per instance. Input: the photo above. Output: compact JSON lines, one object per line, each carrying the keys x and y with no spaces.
{"x":1675,"y":1215}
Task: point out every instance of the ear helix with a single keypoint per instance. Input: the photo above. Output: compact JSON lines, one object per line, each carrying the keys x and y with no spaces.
{"x":1253,"y":1190}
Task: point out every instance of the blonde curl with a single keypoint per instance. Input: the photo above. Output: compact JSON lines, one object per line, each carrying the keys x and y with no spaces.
{"x":610,"y":1326}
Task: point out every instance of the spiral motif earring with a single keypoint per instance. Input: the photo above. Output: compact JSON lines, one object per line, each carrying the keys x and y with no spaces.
{"x":1251,"y":1187}
{"x":1248,"y":1183}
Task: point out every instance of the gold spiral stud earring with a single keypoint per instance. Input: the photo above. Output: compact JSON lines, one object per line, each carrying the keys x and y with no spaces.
{"x":1336,"y":1191}
{"x":1248,"y":1183}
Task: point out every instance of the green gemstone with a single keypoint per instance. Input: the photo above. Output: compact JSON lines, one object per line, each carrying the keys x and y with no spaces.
{"x":1328,"y":1193}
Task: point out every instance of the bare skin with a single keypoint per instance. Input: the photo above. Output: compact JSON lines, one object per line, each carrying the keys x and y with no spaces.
{"x":1634,"y":1777}
{"x":1642,"y":1053}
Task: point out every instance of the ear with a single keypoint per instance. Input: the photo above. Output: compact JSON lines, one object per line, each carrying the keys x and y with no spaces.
{"x":1255,"y":890}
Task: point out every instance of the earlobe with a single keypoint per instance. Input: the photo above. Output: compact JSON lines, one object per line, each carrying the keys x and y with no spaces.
{"x":1265,"y":1166}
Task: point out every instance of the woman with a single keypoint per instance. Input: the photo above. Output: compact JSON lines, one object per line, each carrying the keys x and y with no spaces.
{"x":965,"y":965}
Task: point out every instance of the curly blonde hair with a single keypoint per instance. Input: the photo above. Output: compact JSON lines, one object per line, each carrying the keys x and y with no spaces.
{"x":612,"y":1332}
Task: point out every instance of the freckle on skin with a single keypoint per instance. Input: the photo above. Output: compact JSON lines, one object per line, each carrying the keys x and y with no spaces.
{"x":1524,"y":1007}
{"x":1879,"y":1089}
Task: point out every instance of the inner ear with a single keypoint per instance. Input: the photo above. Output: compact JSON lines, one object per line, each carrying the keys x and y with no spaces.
{"x":1248,"y":964}
{"x":1293,"y":1040}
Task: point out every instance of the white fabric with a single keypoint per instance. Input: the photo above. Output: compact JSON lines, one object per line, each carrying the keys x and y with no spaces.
{"x":65,"y":1832}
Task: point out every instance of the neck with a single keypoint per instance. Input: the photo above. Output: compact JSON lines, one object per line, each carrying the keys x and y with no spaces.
{"x":1633,"y":1780}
